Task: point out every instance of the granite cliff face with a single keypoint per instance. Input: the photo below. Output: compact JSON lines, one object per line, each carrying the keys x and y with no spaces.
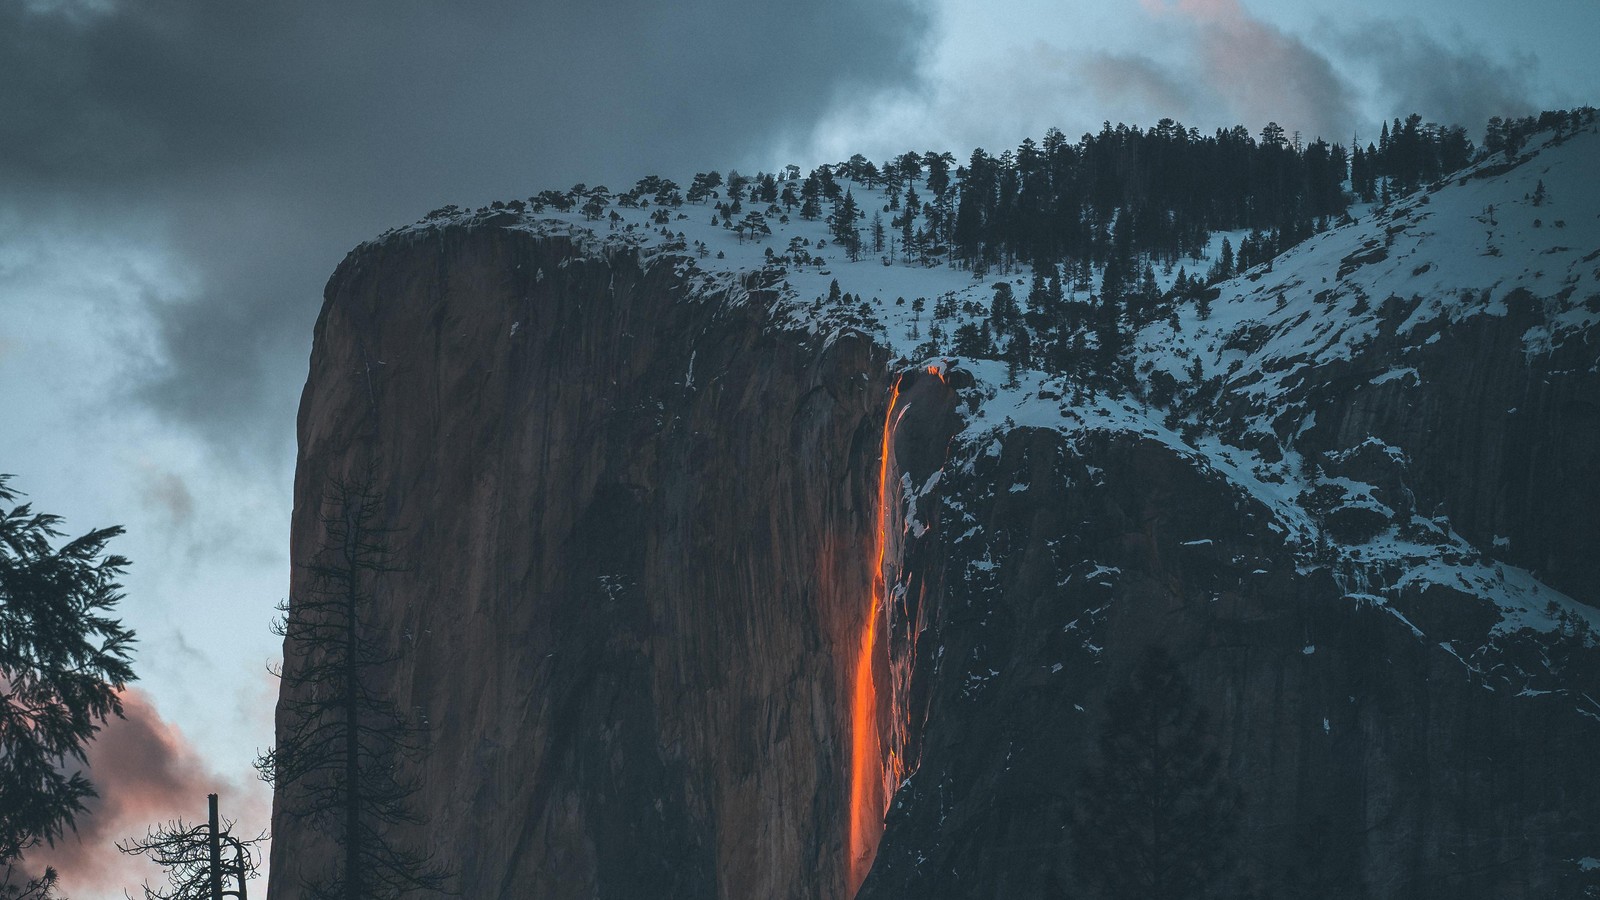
{"x":637,"y":531}
{"x":702,"y":576}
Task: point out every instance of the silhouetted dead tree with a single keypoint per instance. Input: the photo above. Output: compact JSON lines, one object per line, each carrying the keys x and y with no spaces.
{"x":344,"y":746}
{"x":200,"y":860}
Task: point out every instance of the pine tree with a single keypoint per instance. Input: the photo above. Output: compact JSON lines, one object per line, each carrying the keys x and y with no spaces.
{"x":596,"y":203}
{"x":971,"y":341}
{"x":843,"y":225}
{"x":1042,"y":315}
{"x":1120,"y":271}
{"x":703,"y":185}
{"x":1149,"y":297}
{"x":342,"y":746}
{"x":1358,"y":172}
{"x":1109,"y":334}
{"x":64,"y":662}
{"x":754,"y":224}
{"x":1019,"y":352}
{"x":1156,"y":820}
{"x":1494,"y":136}
{"x":1003,"y":311}
{"x":810,"y":197}
{"x":830,"y":185}
{"x":938,"y":165}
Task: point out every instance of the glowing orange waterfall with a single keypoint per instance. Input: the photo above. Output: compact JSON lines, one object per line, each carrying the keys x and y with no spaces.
{"x":872,"y":777}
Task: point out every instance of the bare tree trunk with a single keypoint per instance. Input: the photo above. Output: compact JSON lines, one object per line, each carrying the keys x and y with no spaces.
{"x":352,"y":747}
{"x":214,"y":838}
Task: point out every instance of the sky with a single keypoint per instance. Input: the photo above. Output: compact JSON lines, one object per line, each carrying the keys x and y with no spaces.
{"x":178,"y":178}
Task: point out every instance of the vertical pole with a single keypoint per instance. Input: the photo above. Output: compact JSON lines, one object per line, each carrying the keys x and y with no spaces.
{"x":215,"y":839}
{"x":238,"y":850}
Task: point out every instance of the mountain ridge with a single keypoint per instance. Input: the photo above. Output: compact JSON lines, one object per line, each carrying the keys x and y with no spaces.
{"x":1311,"y":494}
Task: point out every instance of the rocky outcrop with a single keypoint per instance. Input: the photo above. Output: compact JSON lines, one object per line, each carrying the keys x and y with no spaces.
{"x":1457,"y":421}
{"x":650,"y":541}
{"x":1399,"y":722}
{"x":1372,"y":763}
{"x":1502,"y":441}
{"x":634,"y":522}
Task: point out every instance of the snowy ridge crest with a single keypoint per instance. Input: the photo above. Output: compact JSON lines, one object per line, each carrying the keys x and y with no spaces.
{"x":1233,"y":384}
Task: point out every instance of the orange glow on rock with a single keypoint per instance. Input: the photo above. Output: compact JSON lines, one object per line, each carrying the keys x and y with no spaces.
{"x":871,"y":775}
{"x":866,"y":817}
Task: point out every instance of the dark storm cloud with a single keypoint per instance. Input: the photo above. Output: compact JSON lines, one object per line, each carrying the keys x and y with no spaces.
{"x":1456,"y":83}
{"x":261,"y":140}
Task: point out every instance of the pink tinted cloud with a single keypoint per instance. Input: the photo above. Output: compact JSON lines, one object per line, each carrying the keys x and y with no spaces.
{"x":1198,"y":9}
{"x":146,"y":773}
{"x":1260,"y":72}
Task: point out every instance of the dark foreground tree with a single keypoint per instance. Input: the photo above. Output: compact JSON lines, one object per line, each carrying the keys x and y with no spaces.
{"x":202,"y":862}
{"x":343,"y":747}
{"x":63,"y":663}
{"x":843,"y":225}
{"x":1157,"y":819}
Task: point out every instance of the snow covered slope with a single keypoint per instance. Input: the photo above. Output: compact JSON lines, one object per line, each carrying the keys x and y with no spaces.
{"x":1415,"y":392}
{"x":1261,"y":391}
{"x":1351,"y":490}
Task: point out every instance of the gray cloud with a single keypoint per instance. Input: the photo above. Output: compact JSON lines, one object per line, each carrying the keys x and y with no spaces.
{"x":168,"y":492}
{"x":1456,"y":83}
{"x":1221,"y":63}
{"x":1206,"y":63}
{"x":1125,"y":80}
{"x":261,"y":140}
{"x":1260,"y":72}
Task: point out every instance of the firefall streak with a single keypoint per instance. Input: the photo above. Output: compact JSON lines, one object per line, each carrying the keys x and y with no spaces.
{"x":870,"y":772}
